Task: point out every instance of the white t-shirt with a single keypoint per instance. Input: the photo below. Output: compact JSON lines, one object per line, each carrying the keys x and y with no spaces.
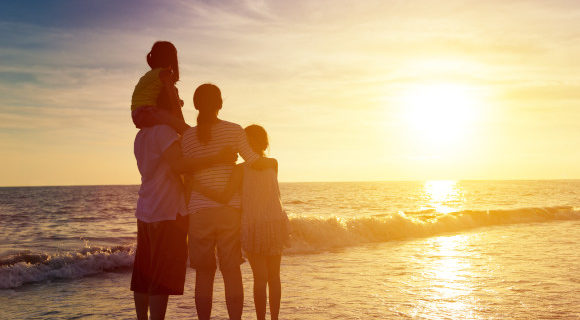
{"x":223,"y":134}
{"x":161,"y":196}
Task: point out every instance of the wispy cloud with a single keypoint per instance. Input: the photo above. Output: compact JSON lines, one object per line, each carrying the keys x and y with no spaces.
{"x":301,"y":68}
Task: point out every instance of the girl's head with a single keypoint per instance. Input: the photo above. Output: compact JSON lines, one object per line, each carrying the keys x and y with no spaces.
{"x":257,"y":138}
{"x":207,"y":99}
{"x":164,"y":55}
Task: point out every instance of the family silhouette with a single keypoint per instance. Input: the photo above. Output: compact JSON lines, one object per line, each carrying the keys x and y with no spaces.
{"x":196,"y":204}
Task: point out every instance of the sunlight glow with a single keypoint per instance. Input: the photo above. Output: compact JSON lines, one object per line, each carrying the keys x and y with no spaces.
{"x":440,"y":114}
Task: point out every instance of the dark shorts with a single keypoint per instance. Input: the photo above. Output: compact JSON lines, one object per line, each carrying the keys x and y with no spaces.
{"x":215,"y":231}
{"x":161,"y":257}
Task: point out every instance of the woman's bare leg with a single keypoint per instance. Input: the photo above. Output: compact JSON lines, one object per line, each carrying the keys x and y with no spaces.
{"x":234,"y":290}
{"x":204,"y":292}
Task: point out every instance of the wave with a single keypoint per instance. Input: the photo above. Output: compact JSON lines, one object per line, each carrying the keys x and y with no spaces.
{"x":312,"y":235}
{"x":309,"y":235}
{"x":24,"y":267}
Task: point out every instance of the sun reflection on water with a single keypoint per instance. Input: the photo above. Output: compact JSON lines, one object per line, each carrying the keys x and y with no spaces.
{"x":448,"y":271}
{"x":441,"y":194}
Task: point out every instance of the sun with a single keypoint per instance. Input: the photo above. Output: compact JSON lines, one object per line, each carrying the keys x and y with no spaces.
{"x":440,"y":114}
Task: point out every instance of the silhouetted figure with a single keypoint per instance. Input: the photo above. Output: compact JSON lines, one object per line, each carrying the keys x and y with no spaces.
{"x":214,"y":226}
{"x":264,"y":222}
{"x":160,"y":80}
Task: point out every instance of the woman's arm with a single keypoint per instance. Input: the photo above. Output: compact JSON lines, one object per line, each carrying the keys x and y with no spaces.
{"x":264,"y":163}
{"x":180,"y":164}
{"x":233,"y":185}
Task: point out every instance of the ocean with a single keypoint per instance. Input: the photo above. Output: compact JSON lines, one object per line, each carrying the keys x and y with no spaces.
{"x":360,"y":250}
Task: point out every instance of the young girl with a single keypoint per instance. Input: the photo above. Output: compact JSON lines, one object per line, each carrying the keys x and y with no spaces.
{"x":264,"y":222}
{"x":157,"y":87}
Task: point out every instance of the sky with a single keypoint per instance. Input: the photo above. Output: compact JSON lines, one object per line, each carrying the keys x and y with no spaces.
{"x":347,"y":90}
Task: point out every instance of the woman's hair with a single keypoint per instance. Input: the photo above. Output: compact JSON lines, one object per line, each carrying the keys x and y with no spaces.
{"x":163,"y":55}
{"x":207,"y":99}
{"x":257,"y":138}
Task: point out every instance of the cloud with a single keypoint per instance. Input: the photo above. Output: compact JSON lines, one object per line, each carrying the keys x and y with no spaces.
{"x":301,"y":68}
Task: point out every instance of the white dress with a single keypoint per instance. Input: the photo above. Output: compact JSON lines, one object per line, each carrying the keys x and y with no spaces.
{"x":264,"y":222}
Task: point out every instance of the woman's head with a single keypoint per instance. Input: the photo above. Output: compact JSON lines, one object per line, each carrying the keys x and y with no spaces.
{"x":207,"y":99}
{"x":257,"y":138}
{"x":163,"y":54}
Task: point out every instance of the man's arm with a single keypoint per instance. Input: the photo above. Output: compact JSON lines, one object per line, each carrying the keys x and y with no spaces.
{"x":169,"y":87}
{"x":180,"y":164}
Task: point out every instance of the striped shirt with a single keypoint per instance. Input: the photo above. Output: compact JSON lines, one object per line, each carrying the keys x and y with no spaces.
{"x":223,"y":134}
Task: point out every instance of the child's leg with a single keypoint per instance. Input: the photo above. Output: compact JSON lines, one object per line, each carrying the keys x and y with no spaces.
{"x":260,"y":271}
{"x":144,"y":117}
{"x":148,"y":116}
{"x":274,"y":285}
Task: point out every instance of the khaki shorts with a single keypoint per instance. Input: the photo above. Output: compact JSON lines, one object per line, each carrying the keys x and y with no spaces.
{"x":215,"y":231}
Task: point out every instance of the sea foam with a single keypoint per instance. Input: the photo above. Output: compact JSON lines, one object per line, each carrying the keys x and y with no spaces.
{"x":25,"y":268}
{"x":309,"y":235}
{"x":315,"y":234}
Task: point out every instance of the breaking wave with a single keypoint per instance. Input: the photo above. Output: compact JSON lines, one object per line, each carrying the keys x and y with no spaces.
{"x":309,"y":235}
{"x":22,"y":268}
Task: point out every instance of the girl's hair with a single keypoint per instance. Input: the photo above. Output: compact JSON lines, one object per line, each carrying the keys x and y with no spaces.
{"x":207,"y":98}
{"x":257,"y":138}
{"x":163,"y":54}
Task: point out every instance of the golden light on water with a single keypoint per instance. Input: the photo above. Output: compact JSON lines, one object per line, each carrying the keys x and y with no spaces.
{"x":449,"y":274}
{"x":441,"y":194}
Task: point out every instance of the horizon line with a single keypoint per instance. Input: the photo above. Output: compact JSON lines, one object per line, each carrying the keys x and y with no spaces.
{"x":321,"y":181}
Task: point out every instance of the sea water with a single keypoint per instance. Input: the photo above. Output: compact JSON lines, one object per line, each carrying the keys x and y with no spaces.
{"x":369,"y":250}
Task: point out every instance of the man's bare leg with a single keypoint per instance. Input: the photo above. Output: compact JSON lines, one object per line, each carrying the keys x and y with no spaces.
{"x":141,"y":305}
{"x":158,"y":306}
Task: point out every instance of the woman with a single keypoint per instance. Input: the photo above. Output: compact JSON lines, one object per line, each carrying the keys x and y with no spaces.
{"x":213,"y":225}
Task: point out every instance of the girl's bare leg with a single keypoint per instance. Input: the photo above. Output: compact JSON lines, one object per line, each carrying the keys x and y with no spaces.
{"x":274,"y":285}
{"x":260,"y":272}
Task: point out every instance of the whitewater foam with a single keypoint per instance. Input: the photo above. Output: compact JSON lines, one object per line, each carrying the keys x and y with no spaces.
{"x":312,"y":234}
{"x":27,"y":268}
{"x":309,"y":235}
